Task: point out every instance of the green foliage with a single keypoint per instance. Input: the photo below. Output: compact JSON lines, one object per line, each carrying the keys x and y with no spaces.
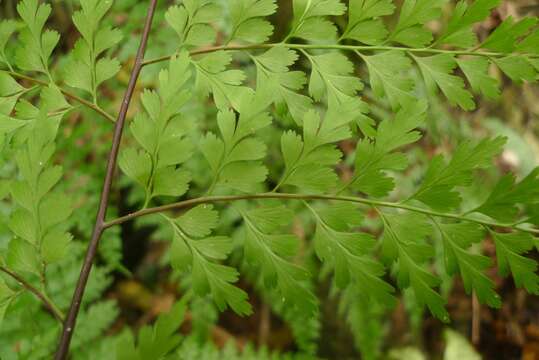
{"x":40,"y":209}
{"x":309,"y":161}
{"x":376,"y":155}
{"x":37,"y":44}
{"x":458,"y":256}
{"x":6,"y":295}
{"x":310,"y":22}
{"x":506,"y":196}
{"x":340,"y":157}
{"x":191,"y":21}
{"x":509,"y":248}
{"x":277,"y":84}
{"x":364,"y":21}
{"x":234,"y":159}
{"x":160,"y":133}
{"x":270,"y":251}
{"x":437,"y":71}
{"x":7,"y":29}
{"x":161,"y":341}
{"x":86,"y":69}
{"x":225,"y":85}
{"x":332,"y":78}
{"x":438,"y":187}
{"x":409,"y":30}
{"x":404,"y":242}
{"x":386,"y":79}
{"x":154,"y":342}
{"x":459,"y":30}
{"x":247,"y":19}
{"x":366,"y":322}
{"x":349,"y":252}
{"x":192,"y":249}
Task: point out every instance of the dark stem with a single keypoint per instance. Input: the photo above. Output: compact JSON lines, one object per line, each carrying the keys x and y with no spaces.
{"x":69,"y":324}
{"x":41,"y":296}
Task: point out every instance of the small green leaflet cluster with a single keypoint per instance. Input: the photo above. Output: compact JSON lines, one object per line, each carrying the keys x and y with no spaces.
{"x":376,"y":155}
{"x":154,"y":342}
{"x":332,"y":78}
{"x":364,"y":21}
{"x":458,"y":257}
{"x":310,"y":22}
{"x":192,"y":248}
{"x":212,"y":77}
{"x":309,"y":162}
{"x":438,"y":189}
{"x":276,"y":83}
{"x":7,"y":29}
{"x":269,"y":252}
{"x":27,"y":116}
{"x":507,"y":202}
{"x":162,"y":341}
{"x":160,"y":133}
{"x":36,"y":45}
{"x":247,"y":20}
{"x":234,"y":158}
{"x":10,"y":93}
{"x":404,"y":243}
{"x":350,"y":252}
{"x":192,"y":19}
{"x":508,"y":197}
{"x":7,"y":295}
{"x":86,"y":70}
{"x":39,"y":235}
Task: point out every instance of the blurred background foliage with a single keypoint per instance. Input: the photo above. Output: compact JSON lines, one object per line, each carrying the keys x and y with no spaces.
{"x":130,"y":286}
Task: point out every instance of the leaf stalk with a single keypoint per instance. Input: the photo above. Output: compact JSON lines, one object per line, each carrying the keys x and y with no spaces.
{"x":187,"y":204}
{"x":353,"y":48}
{"x":49,"y":304}
{"x":68,"y":94}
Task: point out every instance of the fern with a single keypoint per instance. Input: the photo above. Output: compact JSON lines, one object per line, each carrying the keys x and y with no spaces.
{"x":154,"y":342}
{"x":160,"y":134}
{"x":307,"y":89}
{"x":86,"y":70}
{"x":160,"y":341}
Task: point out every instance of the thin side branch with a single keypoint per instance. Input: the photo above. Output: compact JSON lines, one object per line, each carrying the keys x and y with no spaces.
{"x":352,"y":48}
{"x":186,"y":204}
{"x":53,"y":309}
{"x":69,"y":324}
{"x":67,"y":94}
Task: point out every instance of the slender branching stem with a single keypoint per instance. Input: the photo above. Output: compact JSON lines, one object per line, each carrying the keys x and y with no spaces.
{"x":70,"y":321}
{"x":353,"y":48}
{"x":47,"y":302}
{"x":186,"y":204}
{"x":67,"y":94}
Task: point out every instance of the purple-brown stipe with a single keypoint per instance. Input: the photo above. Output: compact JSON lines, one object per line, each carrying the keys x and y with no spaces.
{"x":71,"y":318}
